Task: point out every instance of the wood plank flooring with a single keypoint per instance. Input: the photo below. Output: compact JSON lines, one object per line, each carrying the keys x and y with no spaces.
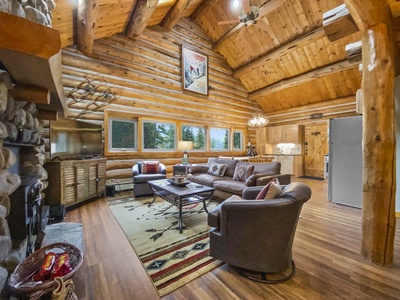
{"x":326,"y":251}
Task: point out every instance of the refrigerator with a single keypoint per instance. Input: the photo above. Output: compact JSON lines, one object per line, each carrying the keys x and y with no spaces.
{"x":345,"y":161}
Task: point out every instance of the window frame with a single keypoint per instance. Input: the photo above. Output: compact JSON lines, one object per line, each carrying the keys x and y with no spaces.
{"x":175,"y":126}
{"x":241,"y":140}
{"x":204,"y":127}
{"x":229,"y":138}
{"x":109,"y":133}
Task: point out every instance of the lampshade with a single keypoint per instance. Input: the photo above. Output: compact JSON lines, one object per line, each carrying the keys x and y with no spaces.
{"x":185,"y":145}
{"x":258,"y":120}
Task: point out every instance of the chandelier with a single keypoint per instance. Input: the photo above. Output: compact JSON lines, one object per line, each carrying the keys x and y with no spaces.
{"x":258,"y":120}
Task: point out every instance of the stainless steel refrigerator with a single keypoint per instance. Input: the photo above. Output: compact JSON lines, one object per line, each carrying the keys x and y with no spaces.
{"x":345,"y":161}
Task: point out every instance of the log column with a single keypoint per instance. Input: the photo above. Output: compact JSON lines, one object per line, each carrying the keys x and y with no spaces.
{"x":379,"y":154}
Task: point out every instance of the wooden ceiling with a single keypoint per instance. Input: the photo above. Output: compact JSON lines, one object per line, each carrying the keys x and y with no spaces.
{"x":285,"y":63}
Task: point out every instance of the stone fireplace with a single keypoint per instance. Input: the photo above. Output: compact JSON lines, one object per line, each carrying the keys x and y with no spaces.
{"x":22,"y":179}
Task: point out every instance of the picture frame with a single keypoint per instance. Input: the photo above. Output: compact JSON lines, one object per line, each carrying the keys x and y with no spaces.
{"x":194,"y":71}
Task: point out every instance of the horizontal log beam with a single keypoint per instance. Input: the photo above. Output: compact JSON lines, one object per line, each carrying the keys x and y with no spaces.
{"x":31,"y":94}
{"x":354,"y":51}
{"x":297,"y":80}
{"x":47,"y":115}
{"x":139,"y":18}
{"x":338,"y":23}
{"x":264,"y":10}
{"x":281,"y":51}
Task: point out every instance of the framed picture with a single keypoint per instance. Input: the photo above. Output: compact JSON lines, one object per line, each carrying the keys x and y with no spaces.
{"x":194,"y":71}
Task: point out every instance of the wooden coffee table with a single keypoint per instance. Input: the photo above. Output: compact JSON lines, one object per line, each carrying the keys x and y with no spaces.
{"x":181,"y":196}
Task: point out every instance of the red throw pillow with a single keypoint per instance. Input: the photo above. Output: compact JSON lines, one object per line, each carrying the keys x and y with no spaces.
{"x":270,"y":191}
{"x":150,"y":167}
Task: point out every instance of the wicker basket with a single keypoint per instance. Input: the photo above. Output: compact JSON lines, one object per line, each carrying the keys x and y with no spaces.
{"x":33,"y":263}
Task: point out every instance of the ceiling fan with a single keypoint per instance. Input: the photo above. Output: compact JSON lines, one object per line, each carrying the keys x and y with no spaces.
{"x":250,"y":15}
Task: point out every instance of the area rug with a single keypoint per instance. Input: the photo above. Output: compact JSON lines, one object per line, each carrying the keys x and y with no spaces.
{"x":170,"y":259}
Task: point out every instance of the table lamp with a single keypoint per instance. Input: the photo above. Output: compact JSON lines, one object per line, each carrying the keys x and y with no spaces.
{"x":185,"y":146}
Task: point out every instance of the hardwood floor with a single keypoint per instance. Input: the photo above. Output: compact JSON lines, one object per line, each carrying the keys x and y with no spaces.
{"x":326,"y":251}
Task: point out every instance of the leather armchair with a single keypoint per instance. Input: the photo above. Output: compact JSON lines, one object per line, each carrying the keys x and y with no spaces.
{"x":140,"y":181}
{"x":256,"y":236}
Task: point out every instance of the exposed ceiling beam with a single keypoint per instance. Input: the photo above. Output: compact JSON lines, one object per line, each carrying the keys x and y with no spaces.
{"x":139,"y":18}
{"x":338,"y":23}
{"x":303,"y":78}
{"x":283,"y":50}
{"x":175,"y":14}
{"x":354,"y":51}
{"x":87,"y":17}
{"x":264,"y":10}
{"x":203,"y":8}
{"x":394,"y":7}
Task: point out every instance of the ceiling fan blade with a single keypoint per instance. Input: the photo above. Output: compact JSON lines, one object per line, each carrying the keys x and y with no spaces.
{"x":266,"y":27}
{"x":246,"y":6}
{"x":269,"y":6}
{"x":240,"y":33}
{"x":228,"y":22}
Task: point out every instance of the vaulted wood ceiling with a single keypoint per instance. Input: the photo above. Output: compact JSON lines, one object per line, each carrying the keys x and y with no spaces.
{"x":286,"y":62}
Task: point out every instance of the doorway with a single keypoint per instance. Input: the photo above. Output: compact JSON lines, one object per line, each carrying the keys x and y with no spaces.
{"x":315,"y":147}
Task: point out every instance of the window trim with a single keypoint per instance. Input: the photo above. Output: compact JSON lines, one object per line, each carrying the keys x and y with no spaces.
{"x":241,"y":140}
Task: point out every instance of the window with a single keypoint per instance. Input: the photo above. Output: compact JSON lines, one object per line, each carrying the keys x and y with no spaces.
{"x":237,"y":140}
{"x":158,"y":136}
{"x":122,"y":135}
{"x":194,"y":134}
{"x":219,"y":139}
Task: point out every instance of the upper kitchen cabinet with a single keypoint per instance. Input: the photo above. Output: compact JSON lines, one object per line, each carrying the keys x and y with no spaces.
{"x":31,"y":53}
{"x":284,"y":134}
{"x":261,"y":139}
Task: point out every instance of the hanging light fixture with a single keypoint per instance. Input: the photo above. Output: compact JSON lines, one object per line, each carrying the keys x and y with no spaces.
{"x":258,"y":120}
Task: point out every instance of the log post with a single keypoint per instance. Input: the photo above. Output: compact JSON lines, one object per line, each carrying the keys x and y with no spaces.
{"x":87,"y":17}
{"x":139,"y":18}
{"x":379,"y":154}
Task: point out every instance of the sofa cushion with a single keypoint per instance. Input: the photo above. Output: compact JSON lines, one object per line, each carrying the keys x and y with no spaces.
{"x":230,"y":164}
{"x":230,"y":186}
{"x":150,"y":167}
{"x":271,"y":168}
{"x":270,"y":191}
{"x":198,"y":169}
{"x":217,"y":169}
{"x":243,"y":171}
{"x":144,"y":178}
{"x":204,"y":178}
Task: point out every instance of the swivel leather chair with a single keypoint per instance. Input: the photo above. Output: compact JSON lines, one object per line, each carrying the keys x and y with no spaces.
{"x":140,"y":181}
{"x":256,"y":236}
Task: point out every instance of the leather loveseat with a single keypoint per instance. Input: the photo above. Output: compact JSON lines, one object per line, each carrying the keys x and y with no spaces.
{"x":225,"y":186}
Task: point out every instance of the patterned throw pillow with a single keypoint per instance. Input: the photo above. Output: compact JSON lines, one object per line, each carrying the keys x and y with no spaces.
{"x":270,"y":191}
{"x":243,"y":171}
{"x":150,"y":167}
{"x":217,"y":169}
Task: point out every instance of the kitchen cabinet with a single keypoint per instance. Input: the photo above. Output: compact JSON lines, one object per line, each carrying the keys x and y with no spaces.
{"x":261,"y":139}
{"x":291,"y":164}
{"x":284,"y":134}
{"x":74,"y":181}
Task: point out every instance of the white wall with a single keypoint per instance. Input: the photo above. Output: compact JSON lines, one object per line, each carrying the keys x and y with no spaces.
{"x":397,"y":113}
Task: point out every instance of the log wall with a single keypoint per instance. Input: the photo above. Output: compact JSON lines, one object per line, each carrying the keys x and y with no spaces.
{"x":146,"y":76}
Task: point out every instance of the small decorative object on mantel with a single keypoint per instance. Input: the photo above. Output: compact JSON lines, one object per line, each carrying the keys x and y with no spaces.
{"x":194,"y":71}
{"x":95,"y":92}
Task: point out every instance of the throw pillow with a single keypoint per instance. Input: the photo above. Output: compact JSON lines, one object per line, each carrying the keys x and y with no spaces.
{"x":242,"y":171}
{"x":270,"y":191}
{"x":217,"y":169}
{"x":150,"y":167}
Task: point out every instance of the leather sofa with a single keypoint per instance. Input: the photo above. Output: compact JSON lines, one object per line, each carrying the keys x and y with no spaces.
{"x":226,"y":186}
{"x":257,"y":235}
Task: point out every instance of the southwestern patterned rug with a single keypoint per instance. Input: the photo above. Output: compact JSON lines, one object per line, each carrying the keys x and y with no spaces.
{"x":171,"y":259}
